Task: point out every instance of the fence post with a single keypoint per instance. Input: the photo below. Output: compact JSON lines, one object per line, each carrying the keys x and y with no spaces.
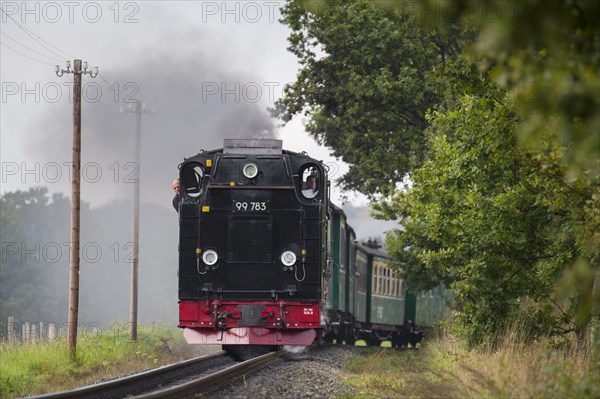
{"x":11,"y":330}
{"x":24,"y":333}
{"x":34,"y":333}
{"x":41,"y":335}
{"x":52,"y":332}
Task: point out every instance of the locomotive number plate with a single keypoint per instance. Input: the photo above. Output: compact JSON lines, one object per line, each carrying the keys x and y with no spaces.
{"x":250,"y":206}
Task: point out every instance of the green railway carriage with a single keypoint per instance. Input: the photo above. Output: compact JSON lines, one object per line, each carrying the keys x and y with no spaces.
{"x":381,"y":303}
{"x":351,"y":272}
{"x":336,"y":303}
{"x":433,"y":306}
{"x":387,"y":299}
{"x":342,"y":261}
{"x":337,"y":281}
{"x":366,"y":299}
{"x":362,"y":288}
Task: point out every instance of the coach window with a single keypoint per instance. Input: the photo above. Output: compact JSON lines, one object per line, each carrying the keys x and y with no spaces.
{"x":375,"y":279}
{"x":380,"y":280}
{"x":386,"y":276}
{"x":310,"y":182}
{"x":192,"y":174}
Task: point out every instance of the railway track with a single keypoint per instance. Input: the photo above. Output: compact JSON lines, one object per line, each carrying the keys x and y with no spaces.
{"x":199,"y":375}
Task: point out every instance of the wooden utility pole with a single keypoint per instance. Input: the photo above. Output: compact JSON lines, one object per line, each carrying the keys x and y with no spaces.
{"x":75,"y":209}
{"x":75,"y":200}
{"x":133,"y":310}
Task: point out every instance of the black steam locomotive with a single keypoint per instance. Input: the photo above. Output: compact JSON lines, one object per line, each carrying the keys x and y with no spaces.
{"x":252,"y":245}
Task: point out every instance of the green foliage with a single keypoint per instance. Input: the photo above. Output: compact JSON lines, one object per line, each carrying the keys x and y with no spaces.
{"x":506,"y":209}
{"x":546,"y":54}
{"x":492,"y":111}
{"x":365,"y":81}
{"x":495,"y":223}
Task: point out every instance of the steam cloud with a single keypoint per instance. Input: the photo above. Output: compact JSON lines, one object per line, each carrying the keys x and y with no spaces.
{"x":187,"y":118}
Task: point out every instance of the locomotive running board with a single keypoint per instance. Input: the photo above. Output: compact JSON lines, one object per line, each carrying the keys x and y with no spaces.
{"x":249,"y":336}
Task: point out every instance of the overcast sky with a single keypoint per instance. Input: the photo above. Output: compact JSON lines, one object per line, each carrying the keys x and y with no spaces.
{"x":209,"y":71}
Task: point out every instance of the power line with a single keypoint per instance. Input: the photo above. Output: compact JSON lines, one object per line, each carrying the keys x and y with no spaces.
{"x":105,"y":103}
{"x":99,"y":98}
{"x":113,"y":92}
{"x":102,"y":77}
{"x":103,"y":96}
{"x":109,"y":85}
{"x":37,"y":38}
{"x":29,"y":48}
{"x":24,"y":55}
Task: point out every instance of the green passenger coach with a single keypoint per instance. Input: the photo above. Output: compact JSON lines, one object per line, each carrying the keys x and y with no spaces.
{"x":366,"y":298}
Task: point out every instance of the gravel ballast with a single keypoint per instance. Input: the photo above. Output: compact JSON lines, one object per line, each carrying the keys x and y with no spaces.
{"x":314,"y":372}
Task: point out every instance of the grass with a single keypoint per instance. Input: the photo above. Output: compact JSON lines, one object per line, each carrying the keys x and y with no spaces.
{"x":443,"y":367}
{"x":389,"y":373}
{"x":48,"y":367}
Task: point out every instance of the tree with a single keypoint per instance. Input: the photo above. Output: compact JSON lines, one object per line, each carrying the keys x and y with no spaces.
{"x":547,"y":54}
{"x":490,"y":220}
{"x":33,"y":234}
{"x":546,"y":57}
{"x":365,"y":82}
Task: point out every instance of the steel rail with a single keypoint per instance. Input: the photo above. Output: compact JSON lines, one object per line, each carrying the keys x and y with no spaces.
{"x":215,"y":380}
{"x":105,"y":388}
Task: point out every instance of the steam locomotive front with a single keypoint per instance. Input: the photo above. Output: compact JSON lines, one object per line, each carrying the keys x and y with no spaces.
{"x":252,"y":245}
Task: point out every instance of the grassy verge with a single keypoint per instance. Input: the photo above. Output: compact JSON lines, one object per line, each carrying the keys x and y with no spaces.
{"x":444,"y":368}
{"x":47,"y":367}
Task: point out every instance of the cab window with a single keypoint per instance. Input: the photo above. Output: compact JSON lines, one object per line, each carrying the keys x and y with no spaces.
{"x":192,"y":174}
{"x":310,"y":182}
